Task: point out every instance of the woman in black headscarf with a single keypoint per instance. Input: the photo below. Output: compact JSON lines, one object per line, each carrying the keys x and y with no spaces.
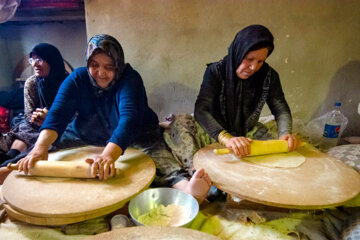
{"x":235,"y":89}
{"x":39,"y":93}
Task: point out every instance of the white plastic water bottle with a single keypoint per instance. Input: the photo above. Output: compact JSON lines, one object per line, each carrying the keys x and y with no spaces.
{"x":332,"y":127}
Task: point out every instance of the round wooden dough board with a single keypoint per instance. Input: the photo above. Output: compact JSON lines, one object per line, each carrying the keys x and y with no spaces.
{"x":153,"y":233}
{"x":56,"y":201}
{"x":320,"y":182}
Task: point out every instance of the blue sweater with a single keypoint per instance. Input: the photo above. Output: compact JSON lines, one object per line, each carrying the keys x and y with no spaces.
{"x":119,"y":116}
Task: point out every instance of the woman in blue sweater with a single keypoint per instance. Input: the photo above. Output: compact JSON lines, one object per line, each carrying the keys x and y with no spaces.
{"x":109,"y":102}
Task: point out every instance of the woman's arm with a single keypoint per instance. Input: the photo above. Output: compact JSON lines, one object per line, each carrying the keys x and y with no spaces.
{"x":40,"y":150}
{"x":61,"y":112}
{"x":31,"y":97}
{"x":280,"y":109}
{"x":131,"y":104}
{"x":206,"y":106}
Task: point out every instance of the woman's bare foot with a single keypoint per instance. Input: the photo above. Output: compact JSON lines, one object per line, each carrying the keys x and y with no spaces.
{"x":198,"y":186}
{"x":4,"y":172}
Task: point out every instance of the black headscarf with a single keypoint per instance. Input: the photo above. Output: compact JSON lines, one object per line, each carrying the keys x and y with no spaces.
{"x":245,"y":41}
{"x":48,"y":86}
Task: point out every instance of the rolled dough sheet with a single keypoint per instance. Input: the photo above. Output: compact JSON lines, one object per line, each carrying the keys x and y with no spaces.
{"x":280,"y":160}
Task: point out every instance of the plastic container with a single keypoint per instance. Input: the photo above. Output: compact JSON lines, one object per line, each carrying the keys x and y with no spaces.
{"x":334,"y":120}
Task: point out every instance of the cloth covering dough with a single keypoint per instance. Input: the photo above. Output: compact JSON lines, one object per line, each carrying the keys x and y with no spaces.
{"x":280,"y":160}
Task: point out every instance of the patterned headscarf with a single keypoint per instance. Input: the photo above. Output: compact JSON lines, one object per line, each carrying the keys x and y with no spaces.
{"x":49,"y":85}
{"x":103,"y":43}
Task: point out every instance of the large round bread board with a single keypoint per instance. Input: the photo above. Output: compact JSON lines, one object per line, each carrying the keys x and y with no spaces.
{"x":320,"y":182}
{"x":153,"y":233}
{"x":56,"y":201}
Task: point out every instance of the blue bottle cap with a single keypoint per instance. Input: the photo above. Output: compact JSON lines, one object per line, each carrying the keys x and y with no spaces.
{"x":337,"y":104}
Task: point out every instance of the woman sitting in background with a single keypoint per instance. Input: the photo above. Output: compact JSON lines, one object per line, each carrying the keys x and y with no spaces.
{"x":39,"y":93}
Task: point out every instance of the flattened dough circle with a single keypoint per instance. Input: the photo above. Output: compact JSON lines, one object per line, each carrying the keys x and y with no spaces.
{"x":280,"y":160}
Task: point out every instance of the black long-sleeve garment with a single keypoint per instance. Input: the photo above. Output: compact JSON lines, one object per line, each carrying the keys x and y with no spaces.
{"x":210,"y":106}
{"x":226,"y":102}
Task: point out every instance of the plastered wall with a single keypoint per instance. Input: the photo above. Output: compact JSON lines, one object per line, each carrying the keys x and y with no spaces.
{"x":170,"y":41}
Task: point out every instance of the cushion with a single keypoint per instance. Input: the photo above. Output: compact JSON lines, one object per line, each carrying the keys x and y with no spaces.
{"x":349,"y":154}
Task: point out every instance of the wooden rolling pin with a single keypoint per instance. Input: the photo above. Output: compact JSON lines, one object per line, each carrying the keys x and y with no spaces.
{"x":59,"y":169}
{"x":258,"y":147}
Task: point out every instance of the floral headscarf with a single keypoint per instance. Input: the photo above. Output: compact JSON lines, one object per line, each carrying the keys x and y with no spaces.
{"x":103,"y":43}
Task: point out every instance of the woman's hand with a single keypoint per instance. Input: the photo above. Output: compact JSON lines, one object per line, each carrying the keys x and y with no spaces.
{"x":102,"y":165}
{"x":293,"y":142}
{"x":38,"y":117}
{"x":240,"y":146}
{"x":37,"y":153}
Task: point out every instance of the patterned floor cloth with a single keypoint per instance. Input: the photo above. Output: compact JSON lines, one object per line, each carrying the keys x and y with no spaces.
{"x":349,"y":154}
